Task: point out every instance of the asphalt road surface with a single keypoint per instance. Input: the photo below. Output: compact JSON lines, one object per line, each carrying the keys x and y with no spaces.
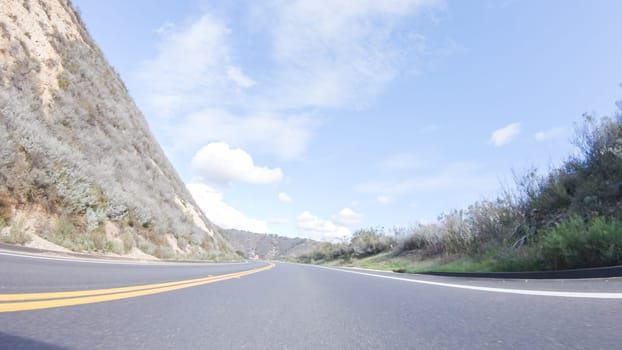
{"x":101,"y":305}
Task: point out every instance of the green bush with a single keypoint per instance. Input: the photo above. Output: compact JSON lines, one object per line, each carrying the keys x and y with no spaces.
{"x":576,"y":243}
{"x":571,"y":244}
{"x":588,"y":184}
{"x":516,"y":259}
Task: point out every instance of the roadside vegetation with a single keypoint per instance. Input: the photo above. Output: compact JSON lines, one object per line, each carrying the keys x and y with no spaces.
{"x":568,"y":218}
{"x":16,"y":234}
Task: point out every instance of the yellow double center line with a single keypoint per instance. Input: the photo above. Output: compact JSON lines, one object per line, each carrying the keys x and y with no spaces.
{"x":36,"y":301}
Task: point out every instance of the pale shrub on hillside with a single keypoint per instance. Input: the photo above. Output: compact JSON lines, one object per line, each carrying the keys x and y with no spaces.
{"x":16,"y":234}
{"x":369,"y":242}
{"x":129,"y":241}
{"x":470,"y":231}
{"x":70,"y":235}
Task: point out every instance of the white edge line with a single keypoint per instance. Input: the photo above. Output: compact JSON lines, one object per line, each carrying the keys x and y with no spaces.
{"x":585,"y":295}
{"x":112,"y":262}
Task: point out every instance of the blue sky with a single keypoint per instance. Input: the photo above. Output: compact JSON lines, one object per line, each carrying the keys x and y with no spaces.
{"x":314,"y":118}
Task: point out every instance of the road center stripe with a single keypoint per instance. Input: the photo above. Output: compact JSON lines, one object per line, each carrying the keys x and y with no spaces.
{"x":59,"y":299}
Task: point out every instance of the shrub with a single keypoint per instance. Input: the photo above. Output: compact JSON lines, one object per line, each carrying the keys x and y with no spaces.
{"x":327,"y":252}
{"x":183,"y":242}
{"x":117,"y":247}
{"x":339,"y":251}
{"x":164,"y":252}
{"x":587,"y":184}
{"x":16,"y":235}
{"x":154,"y":237}
{"x":5,"y":209}
{"x":525,"y":258}
{"x":457,"y":235}
{"x":368,"y":242}
{"x":472,"y":231}
{"x":495,"y":220}
{"x":576,"y":243}
{"x":572,"y":243}
{"x":62,"y":81}
{"x":423,"y":238}
{"x":63,"y":233}
{"x":94,"y":218}
{"x":68,"y":235}
{"x":146,"y":246}
{"x":128,"y":241}
{"x":97,"y":241}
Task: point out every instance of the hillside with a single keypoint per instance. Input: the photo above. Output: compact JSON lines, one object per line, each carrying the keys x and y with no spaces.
{"x":268,"y":246}
{"x":79,"y":166}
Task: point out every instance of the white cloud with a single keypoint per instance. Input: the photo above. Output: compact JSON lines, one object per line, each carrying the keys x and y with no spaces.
{"x":237,"y":76}
{"x":317,"y":228}
{"x":323,"y":54}
{"x":190,"y":68}
{"x":222,"y":214}
{"x":285,"y":198}
{"x":551,"y":134}
{"x":505,"y":135}
{"x":219,"y":164}
{"x":384,"y":199}
{"x":273,"y":134}
{"x":166,"y":28}
{"x":195,"y":79}
{"x":347,"y":217}
{"x":338,"y":53}
{"x":319,"y":53}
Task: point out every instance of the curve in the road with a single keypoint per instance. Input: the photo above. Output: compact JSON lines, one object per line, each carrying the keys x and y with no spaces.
{"x":36,"y":301}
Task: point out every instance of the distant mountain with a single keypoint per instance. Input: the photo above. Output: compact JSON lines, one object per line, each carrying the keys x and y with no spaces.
{"x":78,"y":163}
{"x":268,"y":246}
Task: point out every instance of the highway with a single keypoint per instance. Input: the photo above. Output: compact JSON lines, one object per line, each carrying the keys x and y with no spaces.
{"x":64,"y":304}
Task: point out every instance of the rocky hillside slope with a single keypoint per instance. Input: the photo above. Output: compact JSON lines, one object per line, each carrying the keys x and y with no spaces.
{"x":268,"y":246}
{"x":79,"y":166}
